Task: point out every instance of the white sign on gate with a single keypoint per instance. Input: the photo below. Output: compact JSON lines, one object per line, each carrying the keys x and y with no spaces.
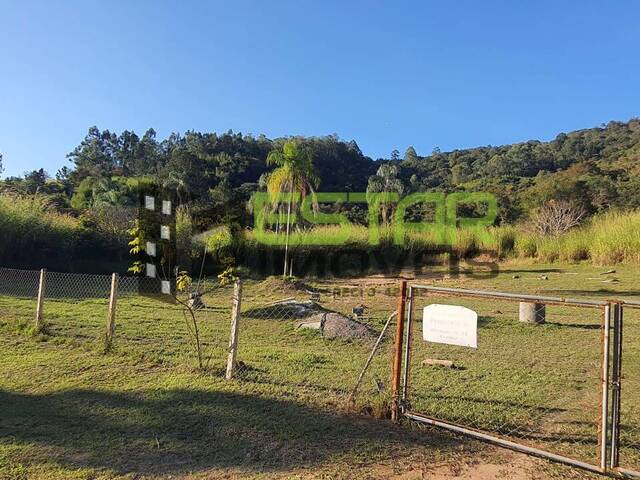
{"x":450,"y":324}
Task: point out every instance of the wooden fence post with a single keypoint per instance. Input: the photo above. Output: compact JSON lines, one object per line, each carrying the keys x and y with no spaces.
{"x":235,"y":324}
{"x":111,"y":317}
{"x":40,"y":302}
{"x":397,"y":355}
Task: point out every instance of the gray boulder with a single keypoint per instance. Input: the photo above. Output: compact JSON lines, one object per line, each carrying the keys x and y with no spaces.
{"x":336,"y":325}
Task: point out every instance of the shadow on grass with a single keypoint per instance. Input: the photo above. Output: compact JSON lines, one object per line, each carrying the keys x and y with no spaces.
{"x":579,"y":326}
{"x":492,"y":402}
{"x":531,"y":270}
{"x":601,"y":292}
{"x":162,"y":432}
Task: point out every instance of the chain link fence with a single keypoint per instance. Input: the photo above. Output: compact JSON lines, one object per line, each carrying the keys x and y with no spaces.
{"x":76,"y":306}
{"x":190,"y":331}
{"x":297,"y":339}
{"x":76,"y":309}
{"x":18,"y":293}
{"x":311,"y":341}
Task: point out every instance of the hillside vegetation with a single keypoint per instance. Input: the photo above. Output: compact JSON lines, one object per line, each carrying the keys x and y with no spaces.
{"x":596,"y":170}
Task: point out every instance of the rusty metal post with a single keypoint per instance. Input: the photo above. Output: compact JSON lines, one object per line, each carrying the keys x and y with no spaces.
{"x":397,"y":355}
{"x":604,"y":402}
{"x":616,"y":384}
{"x":407,"y":348}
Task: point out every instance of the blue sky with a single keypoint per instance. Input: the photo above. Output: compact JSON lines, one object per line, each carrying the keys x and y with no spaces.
{"x":387,"y":74}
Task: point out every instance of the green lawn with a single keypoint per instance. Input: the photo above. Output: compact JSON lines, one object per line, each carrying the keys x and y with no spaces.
{"x":144,"y":410}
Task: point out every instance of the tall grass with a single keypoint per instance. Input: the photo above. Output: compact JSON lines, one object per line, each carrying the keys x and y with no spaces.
{"x":34,"y":235}
{"x":32,"y":228}
{"x":615,"y":238}
{"x":610,"y":238}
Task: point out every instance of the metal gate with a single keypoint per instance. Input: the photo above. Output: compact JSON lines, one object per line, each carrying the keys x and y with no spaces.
{"x":551,"y":389}
{"x":625,"y":431}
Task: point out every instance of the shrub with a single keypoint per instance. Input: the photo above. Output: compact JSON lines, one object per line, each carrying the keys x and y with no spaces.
{"x":36,"y":235}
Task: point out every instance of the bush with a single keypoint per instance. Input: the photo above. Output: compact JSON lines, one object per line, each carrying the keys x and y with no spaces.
{"x":35,"y":235}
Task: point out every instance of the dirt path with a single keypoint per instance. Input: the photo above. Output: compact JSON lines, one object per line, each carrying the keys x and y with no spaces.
{"x":490,"y":463}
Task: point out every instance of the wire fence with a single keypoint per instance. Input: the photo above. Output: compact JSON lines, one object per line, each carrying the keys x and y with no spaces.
{"x":537,"y":383}
{"x":76,"y":310}
{"x":313,"y":341}
{"x":310,"y":341}
{"x":548,"y":376}
{"x":543,"y":378}
{"x":18,"y":293}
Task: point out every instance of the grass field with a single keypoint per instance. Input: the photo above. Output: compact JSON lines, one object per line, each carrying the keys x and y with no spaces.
{"x":144,"y":411}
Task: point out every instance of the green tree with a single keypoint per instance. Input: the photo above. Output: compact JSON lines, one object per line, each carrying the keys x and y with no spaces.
{"x":35,"y":180}
{"x":96,"y":154}
{"x":410,"y":155}
{"x":385,"y":181}
{"x":294,"y":174}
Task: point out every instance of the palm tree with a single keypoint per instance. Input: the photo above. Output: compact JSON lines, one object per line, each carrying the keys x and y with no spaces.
{"x":385,"y":181}
{"x":294,"y":174}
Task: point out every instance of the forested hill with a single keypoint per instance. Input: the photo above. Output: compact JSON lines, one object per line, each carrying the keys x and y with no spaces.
{"x":597,"y":168}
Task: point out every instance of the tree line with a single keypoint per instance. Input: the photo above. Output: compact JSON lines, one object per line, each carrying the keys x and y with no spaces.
{"x":216,"y":174}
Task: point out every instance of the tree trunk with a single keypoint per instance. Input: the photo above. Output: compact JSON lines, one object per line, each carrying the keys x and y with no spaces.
{"x":286,"y":242}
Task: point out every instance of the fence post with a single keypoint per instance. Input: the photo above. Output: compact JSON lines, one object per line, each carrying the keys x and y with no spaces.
{"x":616,"y":382}
{"x":604,"y":403}
{"x":397,"y":355}
{"x":407,"y":346}
{"x":40,"y":302}
{"x":235,"y":324}
{"x":111,"y":317}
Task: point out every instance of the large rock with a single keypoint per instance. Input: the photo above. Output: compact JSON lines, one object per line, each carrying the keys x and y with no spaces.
{"x":286,"y":309}
{"x":335,"y":325}
{"x":195,"y":301}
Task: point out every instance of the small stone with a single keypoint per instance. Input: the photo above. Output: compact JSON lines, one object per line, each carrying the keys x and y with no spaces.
{"x":433,"y":362}
{"x":195,"y":301}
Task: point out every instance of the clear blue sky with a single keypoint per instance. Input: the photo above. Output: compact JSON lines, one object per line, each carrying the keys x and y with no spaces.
{"x":387,"y":74}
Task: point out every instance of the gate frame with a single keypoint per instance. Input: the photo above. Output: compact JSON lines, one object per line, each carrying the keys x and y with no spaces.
{"x":616,"y":383}
{"x":608,"y":431}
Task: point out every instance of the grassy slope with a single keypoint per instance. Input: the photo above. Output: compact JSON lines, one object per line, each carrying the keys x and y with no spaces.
{"x":70,"y":411}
